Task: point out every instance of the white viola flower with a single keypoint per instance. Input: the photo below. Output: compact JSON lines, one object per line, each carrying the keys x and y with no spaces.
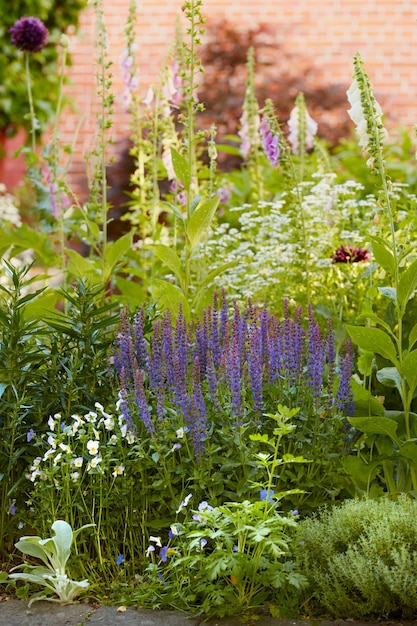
{"x":156,"y":540}
{"x":48,"y":453}
{"x":57,"y":458}
{"x":51,"y":441}
{"x":78,"y":461}
{"x":93,"y":446}
{"x":109,"y":423}
{"x":184,"y":502}
{"x":149,"y":550}
{"x":90,"y":417}
{"x":51,"y":423}
{"x":130,"y":437}
{"x":118,"y":470}
{"x":74,"y":476}
{"x":180,"y":433}
{"x":95,"y":461}
{"x":99,"y":406}
{"x":65,"y":448}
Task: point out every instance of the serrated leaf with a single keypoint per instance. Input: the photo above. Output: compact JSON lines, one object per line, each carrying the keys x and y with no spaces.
{"x":181,"y":168}
{"x":407,"y":284}
{"x":373,"y":340}
{"x":200,"y":221}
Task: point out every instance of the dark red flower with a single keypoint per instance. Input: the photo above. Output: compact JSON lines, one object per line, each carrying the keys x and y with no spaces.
{"x":349,"y":254}
{"x":29,"y":34}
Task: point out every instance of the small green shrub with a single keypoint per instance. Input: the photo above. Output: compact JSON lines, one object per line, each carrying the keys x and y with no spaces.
{"x":361,"y":557}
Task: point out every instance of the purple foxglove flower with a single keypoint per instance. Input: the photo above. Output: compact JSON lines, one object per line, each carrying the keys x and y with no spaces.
{"x":269,"y":142}
{"x":29,"y":34}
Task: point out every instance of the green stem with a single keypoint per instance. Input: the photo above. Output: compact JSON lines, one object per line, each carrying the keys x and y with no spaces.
{"x":31,"y":106}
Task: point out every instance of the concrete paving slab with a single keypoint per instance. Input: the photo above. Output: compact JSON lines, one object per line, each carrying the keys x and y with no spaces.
{"x":15,"y":612}
{"x":113,"y":616}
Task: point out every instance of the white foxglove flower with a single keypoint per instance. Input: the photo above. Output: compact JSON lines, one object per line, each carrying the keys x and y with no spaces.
{"x":302,"y":127}
{"x":357,"y":115}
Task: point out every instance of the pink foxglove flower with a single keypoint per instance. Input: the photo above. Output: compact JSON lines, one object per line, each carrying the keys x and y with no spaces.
{"x":270,"y":142}
{"x":302,"y":127}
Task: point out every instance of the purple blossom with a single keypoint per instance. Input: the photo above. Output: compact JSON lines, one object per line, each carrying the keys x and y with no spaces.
{"x":343,"y":398}
{"x":120,"y":559}
{"x":266,"y":493}
{"x":163,"y":554}
{"x":270,"y":142}
{"x":12,"y":509}
{"x":30,"y":434}
{"x":29,"y":34}
{"x":349,"y":254}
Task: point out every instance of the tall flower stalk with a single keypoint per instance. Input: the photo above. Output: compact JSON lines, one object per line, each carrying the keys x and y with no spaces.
{"x":382,"y":339}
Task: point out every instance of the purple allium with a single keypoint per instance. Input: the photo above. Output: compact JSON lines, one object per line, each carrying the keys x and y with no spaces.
{"x":349,"y":254}
{"x":269,"y":142}
{"x":29,"y":34}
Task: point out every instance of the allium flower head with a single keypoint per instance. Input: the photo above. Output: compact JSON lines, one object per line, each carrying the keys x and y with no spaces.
{"x":29,"y":34}
{"x":270,"y":142}
{"x":302,"y":127}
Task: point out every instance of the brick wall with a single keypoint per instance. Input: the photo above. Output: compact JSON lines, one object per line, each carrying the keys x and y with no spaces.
{"x":326,"y":32}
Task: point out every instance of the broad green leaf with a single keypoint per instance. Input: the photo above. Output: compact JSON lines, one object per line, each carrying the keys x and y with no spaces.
{"x":200,"y":221}
{"x":115,"y":250}
{"x":365,"y":401}
{"x":181,"y":168}
{"x":169,"y":257}
{"x":30,"y":546}
{"x":170,"y":297}
{"x":362,"y":473}
{"x":81,"y":267}
{"x":383,"y":256}
{"x":375,"y":320}
{"x":375,"y":426}
{"x":412,"y":337}
{"x":203,"y":299}
{"x":63,"y":540}
{"x":390,"y":377}
{"x":373,"y":340}
{"x":409,"y":451}
{"x":407,"y":284}
{"x":389,"y":292}
{"x":409,"y":369}
{"x":131,"y":291}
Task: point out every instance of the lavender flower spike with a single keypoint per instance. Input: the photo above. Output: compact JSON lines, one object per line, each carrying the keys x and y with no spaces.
{"x":29,"y":34}
{"x":269,"y":142}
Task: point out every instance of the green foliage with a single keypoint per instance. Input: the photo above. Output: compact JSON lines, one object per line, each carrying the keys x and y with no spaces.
{"x":54,"y":553}
{"x":57,"y":16}
{"x":360,"y":559}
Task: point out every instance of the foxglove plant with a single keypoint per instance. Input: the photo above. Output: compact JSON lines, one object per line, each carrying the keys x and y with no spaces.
{"x":302,"y":127}
{"x":400,"y":265}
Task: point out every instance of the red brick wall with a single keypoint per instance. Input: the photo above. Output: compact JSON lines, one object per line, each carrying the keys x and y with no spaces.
{"x":327,"y":32}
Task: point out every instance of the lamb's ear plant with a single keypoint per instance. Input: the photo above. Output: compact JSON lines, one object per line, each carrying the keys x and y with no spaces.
{"x":54,"y":553}
{"x":390,"y":436}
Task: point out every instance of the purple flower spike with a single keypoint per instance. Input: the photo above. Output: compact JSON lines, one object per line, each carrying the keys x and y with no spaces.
{"x":269,"y":142}
{"x":29,"y":34}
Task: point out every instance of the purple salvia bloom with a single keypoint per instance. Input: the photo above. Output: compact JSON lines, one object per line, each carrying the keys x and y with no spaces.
{"x":224,"y":322}
{"x":234,"y":373}
{"x":275,"y":348}
{"x":123,"y":347}
{"x":201,"y":343}
{"x":331,"y":360}
{"x":214,"y":333}
{"x":29,"y":34}
{"x":124,"y":408}
{"x":142,"y":402}
{"x":255,"y":366}
{"x":181,"y":343}
{"x":155,"y":359}
{"x":168,"y":350}
{"x":315,"y":357}
{"x":270,"y":142}
{"x":343,"y":399}
{"x":139,"y":342}
{"x":212,"y":381}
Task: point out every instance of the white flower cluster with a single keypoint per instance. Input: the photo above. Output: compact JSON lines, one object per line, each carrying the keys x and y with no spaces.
{"x":8,"y":210}
{"x":86,"y":444}
{"x":266,"y":250}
